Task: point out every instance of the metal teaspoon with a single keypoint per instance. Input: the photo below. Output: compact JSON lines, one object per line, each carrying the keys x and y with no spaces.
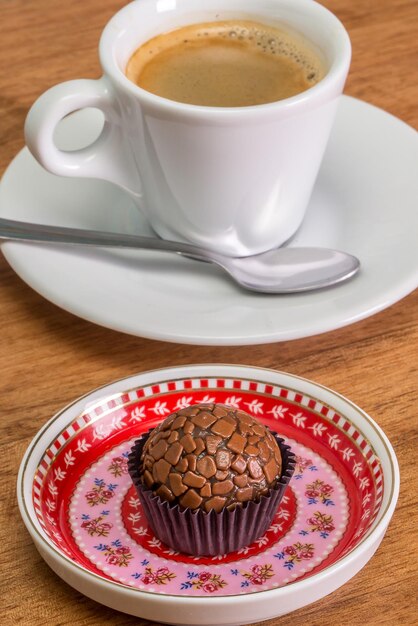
{"x":282,"y":270}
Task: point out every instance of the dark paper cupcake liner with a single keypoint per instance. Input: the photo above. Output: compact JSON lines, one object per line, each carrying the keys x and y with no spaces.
{"x":207,"y":534}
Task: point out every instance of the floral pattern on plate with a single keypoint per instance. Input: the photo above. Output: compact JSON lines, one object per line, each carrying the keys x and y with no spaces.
{"x":131,"y":551}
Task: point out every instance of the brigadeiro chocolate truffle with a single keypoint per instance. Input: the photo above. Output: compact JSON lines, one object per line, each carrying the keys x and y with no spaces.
{"x":210,"y":478}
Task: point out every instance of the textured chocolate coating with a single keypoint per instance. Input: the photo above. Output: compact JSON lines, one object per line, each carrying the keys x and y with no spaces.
{"x":210,"y":456}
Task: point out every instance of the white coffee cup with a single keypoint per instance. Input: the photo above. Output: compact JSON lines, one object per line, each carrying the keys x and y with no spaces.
{"x":236,"y":180}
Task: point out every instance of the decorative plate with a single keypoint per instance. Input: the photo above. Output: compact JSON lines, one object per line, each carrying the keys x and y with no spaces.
{"x":78,"y":502}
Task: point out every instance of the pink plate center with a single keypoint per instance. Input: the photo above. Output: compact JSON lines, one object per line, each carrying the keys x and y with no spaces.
{"x":110,"y":530}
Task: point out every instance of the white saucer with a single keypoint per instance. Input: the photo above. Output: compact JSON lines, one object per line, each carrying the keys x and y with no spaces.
{"x":364,"y":202}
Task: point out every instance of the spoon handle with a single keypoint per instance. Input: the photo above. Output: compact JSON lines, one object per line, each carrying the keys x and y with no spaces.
{"x":26,"y":231}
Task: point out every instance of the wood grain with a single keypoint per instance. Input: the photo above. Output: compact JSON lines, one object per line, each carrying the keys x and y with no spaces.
{"x":49,"y":357}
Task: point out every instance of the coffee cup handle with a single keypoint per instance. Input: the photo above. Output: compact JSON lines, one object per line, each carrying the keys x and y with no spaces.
{"x":108,"y":157}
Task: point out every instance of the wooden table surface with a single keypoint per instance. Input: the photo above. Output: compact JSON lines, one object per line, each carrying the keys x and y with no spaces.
{"x":49,"y":357}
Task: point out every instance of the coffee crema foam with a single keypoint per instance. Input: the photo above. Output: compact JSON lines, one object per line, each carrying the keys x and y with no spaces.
{"x":226,"y":64}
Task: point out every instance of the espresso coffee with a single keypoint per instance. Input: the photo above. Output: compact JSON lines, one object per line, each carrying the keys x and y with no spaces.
{"x":226,"y":64}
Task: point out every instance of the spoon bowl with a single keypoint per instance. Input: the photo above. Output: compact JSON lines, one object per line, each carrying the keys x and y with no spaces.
{"x":290,"y":270}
